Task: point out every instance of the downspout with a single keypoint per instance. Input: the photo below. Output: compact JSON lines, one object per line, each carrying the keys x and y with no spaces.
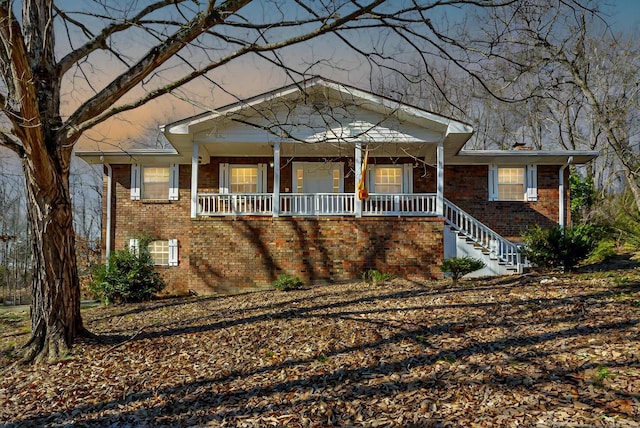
{"x":562,"y":218}
{"x":108,"y":225}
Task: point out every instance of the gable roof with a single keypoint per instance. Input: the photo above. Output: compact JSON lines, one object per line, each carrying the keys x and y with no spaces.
{"x":311,"y":111}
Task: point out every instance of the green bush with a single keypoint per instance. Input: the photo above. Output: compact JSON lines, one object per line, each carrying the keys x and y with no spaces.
{"x":560,"y":247}
{"x":129,"y":277}
{"x":603,"y":251}
{"x":374,"y":277}
{"x":460,"y":266}
{"x":286,"y":282}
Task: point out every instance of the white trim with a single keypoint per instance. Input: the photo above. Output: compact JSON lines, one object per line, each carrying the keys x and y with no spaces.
{"x":339,"y":166}
{"x":194,"y":181}
{"x":493,"y":182}
{"x":304,"y":165}
{"x":407,"y":178}
{"x":107,"y":247}
{"x":276,"y":179}
{"x":173,"y":252}
{"x":134,"y":246}
{"x":532,"y":183}
{"x":135,"y":182}
{"x":371,"y":172}
{"x":261,"y":184}
{"x":174,"y":178}
{"x":371,"y":179}
{"x":223,"y":183}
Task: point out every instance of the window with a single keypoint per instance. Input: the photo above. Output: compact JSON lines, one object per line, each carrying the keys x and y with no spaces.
{"x":154,"y":182}
{"x":159,"y":252}
{"x":163,"y":253}
{"x":300,"y":180}
{"x":387,"y":179}
{"x":244,"y":179}
{"x":337,"y":180}
{"x":513,"y":183}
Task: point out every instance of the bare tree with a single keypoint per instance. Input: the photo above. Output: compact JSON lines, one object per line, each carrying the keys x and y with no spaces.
{"x":54,"y":92}
{"x":583,"y":77}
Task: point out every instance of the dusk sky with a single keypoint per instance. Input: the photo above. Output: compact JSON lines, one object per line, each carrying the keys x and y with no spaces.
{"x":249,"y":77}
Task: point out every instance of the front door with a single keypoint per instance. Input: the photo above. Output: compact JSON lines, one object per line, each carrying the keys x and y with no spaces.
{"x":318,"y":177}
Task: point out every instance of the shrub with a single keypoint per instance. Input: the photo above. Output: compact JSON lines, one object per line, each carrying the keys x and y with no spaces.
{"x":129,"y":277}
{"x":603,"y":251}
{"x":286,"y":282}
{"x":559,"y":247}
{"x":374,"y":277}
{"x":460,"y":266}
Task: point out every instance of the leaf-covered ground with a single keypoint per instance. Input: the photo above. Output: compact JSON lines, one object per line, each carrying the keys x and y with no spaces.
{"x":515,"y":351}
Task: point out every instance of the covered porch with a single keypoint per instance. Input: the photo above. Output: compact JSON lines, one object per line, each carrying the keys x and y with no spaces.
{"x":301,"y":183}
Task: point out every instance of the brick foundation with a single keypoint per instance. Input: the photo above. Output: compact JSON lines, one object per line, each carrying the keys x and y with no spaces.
{"x":227,"y":254}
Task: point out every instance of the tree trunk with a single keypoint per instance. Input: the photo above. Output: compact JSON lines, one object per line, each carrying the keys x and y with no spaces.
{"x":55,"y":310}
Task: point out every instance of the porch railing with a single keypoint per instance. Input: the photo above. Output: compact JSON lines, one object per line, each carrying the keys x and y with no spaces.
{"x":316,"y":204}
{"x":211,"y":204}
{"x":312,"y":204}
{"x":415,"y":204}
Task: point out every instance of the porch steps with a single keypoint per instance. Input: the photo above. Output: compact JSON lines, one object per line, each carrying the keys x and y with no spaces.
{"x":467,"y":236}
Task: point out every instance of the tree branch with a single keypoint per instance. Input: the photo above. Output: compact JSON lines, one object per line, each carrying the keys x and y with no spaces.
{"x":100,"y":41}
{"x":7,"y":141}
{"x":324,"y":29}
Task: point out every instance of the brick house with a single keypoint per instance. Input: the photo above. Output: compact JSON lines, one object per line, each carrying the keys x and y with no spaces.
{"x":323,"y":181}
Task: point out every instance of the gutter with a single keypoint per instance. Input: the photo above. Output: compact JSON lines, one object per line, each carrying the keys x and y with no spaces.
{"x":108,"y":225}
{"x":562,"y":202}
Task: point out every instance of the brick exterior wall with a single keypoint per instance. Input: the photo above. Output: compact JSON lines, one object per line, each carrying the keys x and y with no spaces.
{"x":467,"y":187}
{"x":227,"y":254}
{"x":224,"y":254}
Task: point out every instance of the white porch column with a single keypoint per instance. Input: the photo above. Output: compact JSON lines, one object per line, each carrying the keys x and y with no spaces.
{"x":194,"y":181}
{"x":276,"y":179}
{"x":440,"y":180}
{"x":357,"y":163}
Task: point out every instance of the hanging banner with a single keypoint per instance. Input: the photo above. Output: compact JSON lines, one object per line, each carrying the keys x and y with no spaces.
{"x":362,"y":187}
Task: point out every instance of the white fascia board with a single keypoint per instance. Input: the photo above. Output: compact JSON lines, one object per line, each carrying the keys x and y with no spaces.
{"x":520,"y":157}
{"x":130,"y":156}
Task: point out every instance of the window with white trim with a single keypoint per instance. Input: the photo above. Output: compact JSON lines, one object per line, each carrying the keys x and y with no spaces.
{"x":243,"y":178}
{"x":154,"y":182}
{"x":162,"y":252}
{"x":390,"y":179}
{"x":387,"y":179}
{"x":159,"y":252}
{"x":513,"y":183}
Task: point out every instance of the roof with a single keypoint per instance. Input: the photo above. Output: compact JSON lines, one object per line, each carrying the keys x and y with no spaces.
{"x":313,"y":111}
{"x":522,"y":157}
